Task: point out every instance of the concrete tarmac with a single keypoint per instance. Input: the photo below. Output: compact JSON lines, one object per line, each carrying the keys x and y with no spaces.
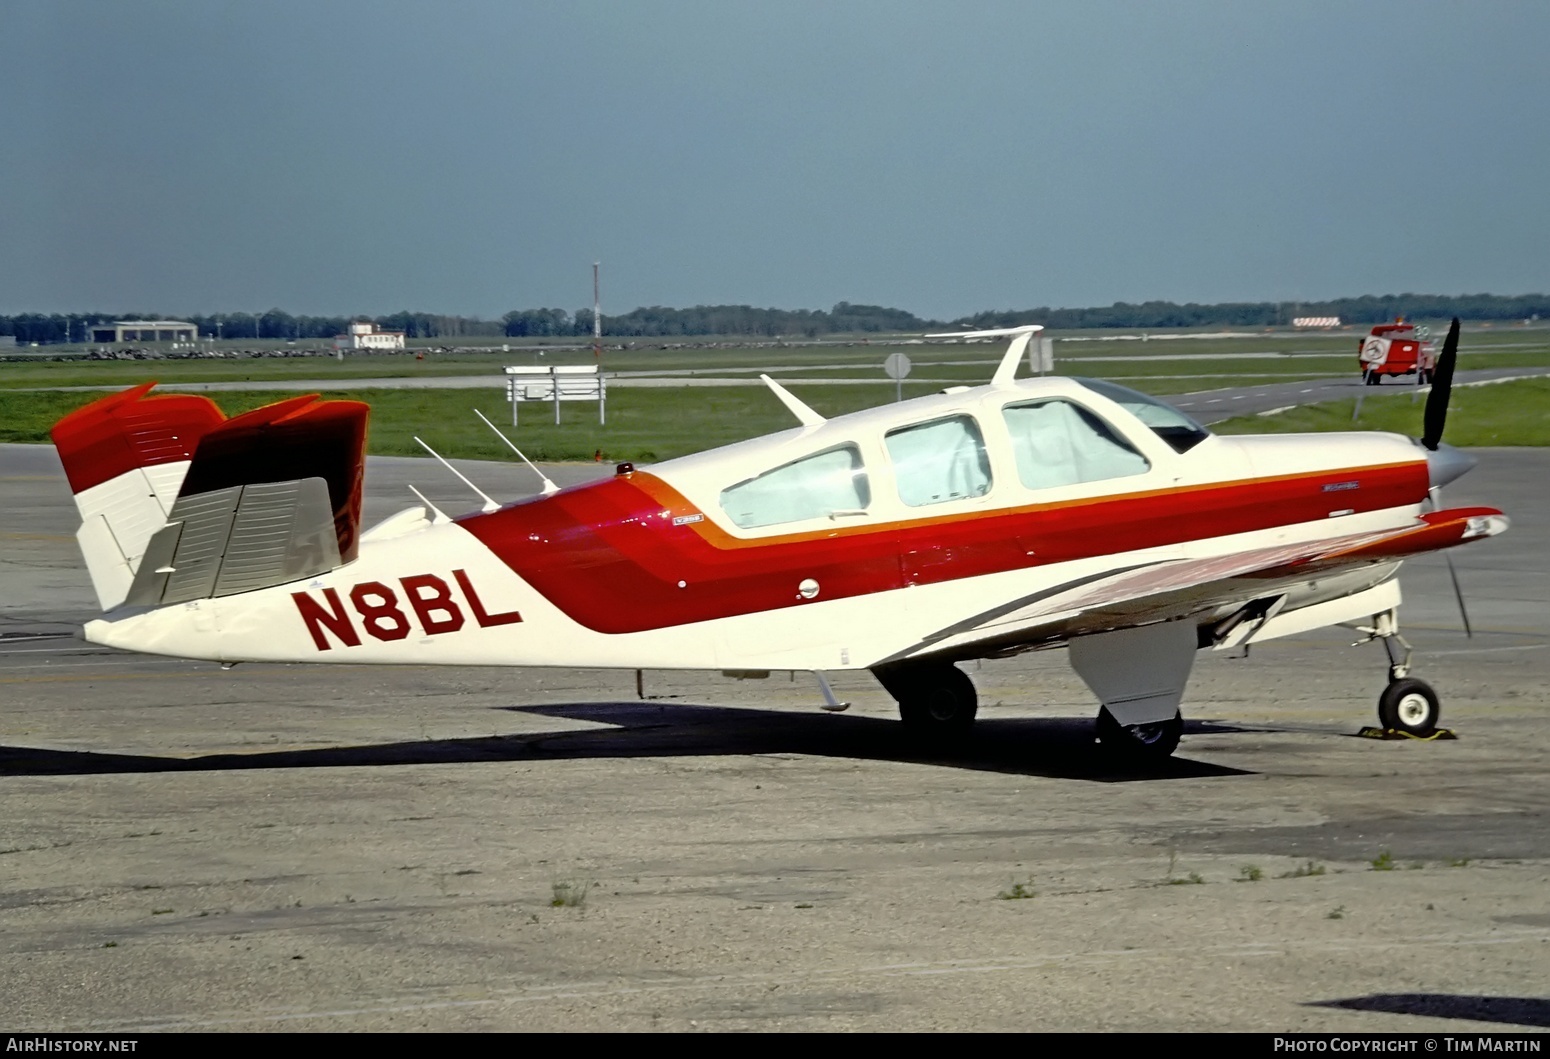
{"x":282,"y":847}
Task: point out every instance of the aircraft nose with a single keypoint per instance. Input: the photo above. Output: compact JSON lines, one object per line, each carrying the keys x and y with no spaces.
{"x":1447,"y":463}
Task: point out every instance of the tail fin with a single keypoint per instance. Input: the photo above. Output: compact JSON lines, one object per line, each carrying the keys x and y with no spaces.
{"x":178,"y":502}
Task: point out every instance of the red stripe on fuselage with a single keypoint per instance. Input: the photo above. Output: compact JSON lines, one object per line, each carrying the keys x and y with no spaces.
{"x":610,"y":557}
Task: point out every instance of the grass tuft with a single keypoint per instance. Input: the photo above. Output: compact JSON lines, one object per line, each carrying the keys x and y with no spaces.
{"x":568,"y":893}
{"x":1303,"y":871}
{"x":1018,"y":891}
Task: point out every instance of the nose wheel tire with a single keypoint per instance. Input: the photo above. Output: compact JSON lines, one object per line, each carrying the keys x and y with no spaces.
{"x":1409,"y":705}
{"x":1153,"y":741}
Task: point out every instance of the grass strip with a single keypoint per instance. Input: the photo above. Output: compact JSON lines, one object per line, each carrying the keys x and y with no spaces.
{"x":1507,"y":413}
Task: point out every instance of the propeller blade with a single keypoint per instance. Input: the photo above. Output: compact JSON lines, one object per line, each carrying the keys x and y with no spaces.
{"x":1436,"y":413}
{"x":1459,"y":592}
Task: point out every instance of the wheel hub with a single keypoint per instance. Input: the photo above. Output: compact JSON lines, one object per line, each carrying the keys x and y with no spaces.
{"x":1413,"y":709}
{"x":1147,"y":734}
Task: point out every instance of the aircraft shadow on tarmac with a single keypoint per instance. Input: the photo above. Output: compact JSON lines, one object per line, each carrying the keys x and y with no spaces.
{"x":1512,"y":1010}
{"x":1061,"y":748}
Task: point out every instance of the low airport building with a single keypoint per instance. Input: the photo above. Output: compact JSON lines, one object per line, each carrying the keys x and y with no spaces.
{"x":143,"y":331}
{"x":369,"y":336}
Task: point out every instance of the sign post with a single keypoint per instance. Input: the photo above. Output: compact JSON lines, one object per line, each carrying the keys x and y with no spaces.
{"x":898,"y":368}
{"x":1041,"y":356}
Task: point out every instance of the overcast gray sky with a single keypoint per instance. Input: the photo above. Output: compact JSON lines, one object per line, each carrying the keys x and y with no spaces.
{"x":345,"y":156}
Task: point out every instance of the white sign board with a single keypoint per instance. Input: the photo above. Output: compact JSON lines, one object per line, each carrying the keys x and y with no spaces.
{"x":556,"y":383}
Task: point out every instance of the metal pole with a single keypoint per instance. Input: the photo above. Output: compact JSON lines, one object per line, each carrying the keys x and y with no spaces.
{"x":554,"y":380}
{"x":597,"y":318}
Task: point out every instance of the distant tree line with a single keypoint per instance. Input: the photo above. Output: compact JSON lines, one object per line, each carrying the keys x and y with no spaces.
{"x":1368,"y":309}
{"x":659,"y":321}
{"x":845,"y":318}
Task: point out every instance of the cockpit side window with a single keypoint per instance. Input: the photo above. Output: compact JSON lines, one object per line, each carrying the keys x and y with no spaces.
{"x":1180,"y":431}
{"x":1057,"y":443}
{"x":813,"y":487}
{"x":939,"y":461}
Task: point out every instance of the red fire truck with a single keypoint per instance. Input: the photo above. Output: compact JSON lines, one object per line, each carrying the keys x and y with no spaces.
{"x":1396,"y":349}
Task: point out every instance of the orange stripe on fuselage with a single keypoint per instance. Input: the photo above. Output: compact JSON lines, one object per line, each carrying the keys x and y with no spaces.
{"x":609,"y":555}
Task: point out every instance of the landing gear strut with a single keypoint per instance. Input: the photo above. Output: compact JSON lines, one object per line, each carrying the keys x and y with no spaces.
{"x":936,"y":701}
{"x":1407,"y":704}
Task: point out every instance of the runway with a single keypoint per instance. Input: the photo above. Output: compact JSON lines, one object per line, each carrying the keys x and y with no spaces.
{"x":351,"y":848}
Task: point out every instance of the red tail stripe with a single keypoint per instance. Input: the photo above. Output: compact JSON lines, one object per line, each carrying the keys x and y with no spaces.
{"x":118,"y":433}
{"x":301,"y":437}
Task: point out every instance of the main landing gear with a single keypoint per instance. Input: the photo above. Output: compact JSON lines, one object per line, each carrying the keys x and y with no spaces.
{"x":937,"y":701}
{"x":937,"y":704}
{"x":1139,"y":742}
{"x":1407,"y":705}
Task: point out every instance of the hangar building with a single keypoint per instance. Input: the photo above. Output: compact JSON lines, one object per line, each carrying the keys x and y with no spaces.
{"x":144,"y":331}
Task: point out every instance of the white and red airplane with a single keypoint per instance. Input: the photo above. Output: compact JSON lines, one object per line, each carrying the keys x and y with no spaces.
{"x":979,"y":522}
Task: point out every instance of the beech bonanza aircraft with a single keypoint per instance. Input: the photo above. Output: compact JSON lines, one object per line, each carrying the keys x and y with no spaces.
{"x":976,"y":523}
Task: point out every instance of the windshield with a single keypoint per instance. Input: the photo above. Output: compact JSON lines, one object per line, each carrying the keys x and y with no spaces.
{"x":1166,"y":421}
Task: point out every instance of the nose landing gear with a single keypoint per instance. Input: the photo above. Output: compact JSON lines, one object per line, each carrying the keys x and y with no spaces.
{"x":1407,"y":705}
{"x":1410,"y":706}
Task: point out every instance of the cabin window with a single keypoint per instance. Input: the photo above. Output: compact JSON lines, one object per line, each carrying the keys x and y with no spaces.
{"x":939,"y":461}
{"x":1058,"y":443}
{"x":813,"y":487}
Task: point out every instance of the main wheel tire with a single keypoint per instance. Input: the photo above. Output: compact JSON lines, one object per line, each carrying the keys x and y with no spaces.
{"x":1423,"y":377}
{"x":1153,"y":741}
{"x":935,"y":701}
{"x":1373,"y":378}
{"x":1409,"y":705}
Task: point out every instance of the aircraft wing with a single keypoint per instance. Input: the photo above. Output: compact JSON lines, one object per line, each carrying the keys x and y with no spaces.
{"x":1251,"y":581}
